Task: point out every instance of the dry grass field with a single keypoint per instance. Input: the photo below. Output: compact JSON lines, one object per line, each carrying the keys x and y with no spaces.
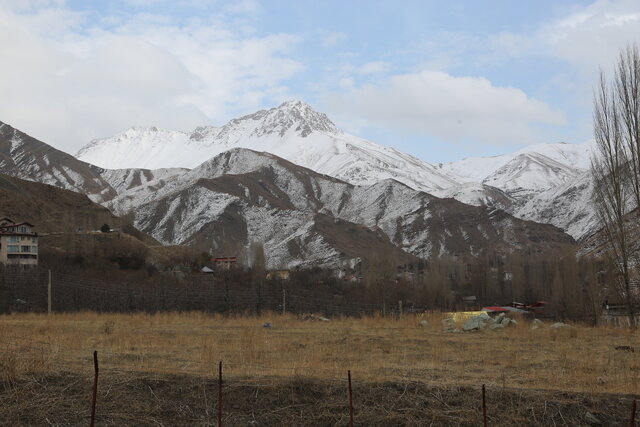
{"x":580,"y":361}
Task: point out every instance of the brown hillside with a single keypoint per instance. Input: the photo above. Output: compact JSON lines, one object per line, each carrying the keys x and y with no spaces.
{"x":51,"y":209}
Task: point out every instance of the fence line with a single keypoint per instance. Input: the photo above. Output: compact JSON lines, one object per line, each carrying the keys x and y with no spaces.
{"x":349,"y":402}
{"x":29,"y":291}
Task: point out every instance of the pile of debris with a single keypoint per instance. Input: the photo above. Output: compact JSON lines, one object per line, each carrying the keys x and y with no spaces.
{"x":479,"y":323}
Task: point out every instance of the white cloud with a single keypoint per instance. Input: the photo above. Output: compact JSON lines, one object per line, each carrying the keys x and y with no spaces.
{"x":244,"y":6}
{"x":592,"y":36}
{"x":66,"y":81}
{"x":332,"y":39}
{"x":374,"y":67}
{"x":453,"y":109}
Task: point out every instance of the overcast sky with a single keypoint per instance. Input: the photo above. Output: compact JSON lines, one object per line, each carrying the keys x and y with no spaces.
{"x":439,"y":80}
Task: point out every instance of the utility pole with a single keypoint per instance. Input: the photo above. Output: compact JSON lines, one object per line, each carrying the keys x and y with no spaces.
{"x":49,"y":294}
{"x":284,"y":301}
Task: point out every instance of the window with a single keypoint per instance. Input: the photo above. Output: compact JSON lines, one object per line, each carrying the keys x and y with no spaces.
{"x":23,"y":229}
{"x":34,"y":249}
{"x":25,"y":249}
{"x":34,"y":239}
{"x":12,"y":248}
{"x":14,"y":239}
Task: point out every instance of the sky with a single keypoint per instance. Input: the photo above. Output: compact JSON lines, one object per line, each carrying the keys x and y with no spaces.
{"x":438,"y":80}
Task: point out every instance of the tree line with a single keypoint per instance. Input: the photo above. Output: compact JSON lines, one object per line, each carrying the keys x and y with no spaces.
{"x":571,"y":286}
{"x":616,"y":173}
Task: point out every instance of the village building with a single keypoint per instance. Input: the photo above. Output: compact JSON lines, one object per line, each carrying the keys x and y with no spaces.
{"x":18,"y":243}
{"x":225,"y":263}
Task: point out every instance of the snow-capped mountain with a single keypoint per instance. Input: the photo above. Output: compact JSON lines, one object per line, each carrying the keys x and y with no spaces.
{"x":293,"y":131}
{"x":567,"y":206}
{"x":25,"y":157}
{"x":531,"y":169}
{"x":547,"y":183}
{"x":305,"y":218}
{"x":305,"y":186}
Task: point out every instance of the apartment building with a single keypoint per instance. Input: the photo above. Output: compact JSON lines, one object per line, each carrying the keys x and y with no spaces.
{"x":18,"y":243}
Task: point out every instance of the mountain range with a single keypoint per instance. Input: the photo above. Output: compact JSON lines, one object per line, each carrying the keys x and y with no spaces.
{"x":523,"y":183}
{"x":315,"y":195}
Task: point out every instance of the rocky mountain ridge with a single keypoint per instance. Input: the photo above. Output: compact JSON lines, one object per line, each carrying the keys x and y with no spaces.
{"x":296,"y":132}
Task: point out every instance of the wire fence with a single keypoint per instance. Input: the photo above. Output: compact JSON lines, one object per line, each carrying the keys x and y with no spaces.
{"x":337,"y":376}
{"x":72,"y":291}
{"x":28,"y":291}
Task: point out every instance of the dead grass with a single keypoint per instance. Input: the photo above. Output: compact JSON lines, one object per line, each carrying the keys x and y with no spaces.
{"x":375,"y":349}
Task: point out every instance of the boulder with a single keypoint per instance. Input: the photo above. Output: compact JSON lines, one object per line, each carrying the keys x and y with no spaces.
{"x":496,"y":326}
{"x":423,"y":323}
{"x":559,"y":325}
{"x":477,"y":323}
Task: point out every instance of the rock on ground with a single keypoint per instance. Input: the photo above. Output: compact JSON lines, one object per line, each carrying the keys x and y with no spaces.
{"x":477,"y":323}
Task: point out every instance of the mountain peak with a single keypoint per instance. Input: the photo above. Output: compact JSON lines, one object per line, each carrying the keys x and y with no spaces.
{"x":290,"y":115}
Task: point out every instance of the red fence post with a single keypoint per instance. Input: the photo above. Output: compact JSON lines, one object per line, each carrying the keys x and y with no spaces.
{"x":633,"y":413}
{"x":350,"y":401}
{"x":220,"y":394}
{"x":484,"y":407}
{"x":95,"y":389}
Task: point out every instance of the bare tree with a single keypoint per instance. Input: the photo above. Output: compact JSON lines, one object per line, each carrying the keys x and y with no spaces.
{"x":614,"y":166}
{"x":627,"y":97}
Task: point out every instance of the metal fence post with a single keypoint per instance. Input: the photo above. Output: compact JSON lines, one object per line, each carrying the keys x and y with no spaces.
{"x":484,"y":407}
{"x":220,"y":394}
{"x":95,"y":388}
{"x":350,"y":401}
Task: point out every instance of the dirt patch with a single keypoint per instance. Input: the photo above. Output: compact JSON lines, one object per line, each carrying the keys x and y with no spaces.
{"x":140,"y":399}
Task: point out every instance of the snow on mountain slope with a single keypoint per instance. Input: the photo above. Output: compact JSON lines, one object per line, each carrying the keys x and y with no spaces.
{"x":305,"y":218}
{"x":567,"y":206}
{"x":477,"y":169}
{"x":476,"y":194}
{"x":531,"y":172}
{"x":293,"y":131}
{"x":25,"y":157}
{"x":122,"y":180}
{"x":143,"y":148}
{"x":532,"y":168}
